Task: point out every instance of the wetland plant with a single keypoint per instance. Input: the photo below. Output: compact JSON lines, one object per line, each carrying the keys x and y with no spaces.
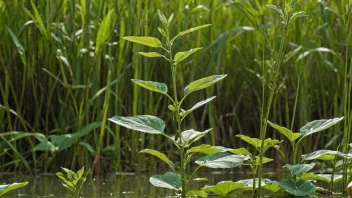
{"x":298,"y":183}
{"x":9,"y":187}
{"x":182,"y":139}
{"x":73,"y":181}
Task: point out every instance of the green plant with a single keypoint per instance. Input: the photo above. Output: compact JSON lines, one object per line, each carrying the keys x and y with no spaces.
{"x":9,"y":187}
{"x":254,"y":160}
{"x":297,"y":183}
{"x":73,"y":181}
{"x":287,"y":16}
{"x":177,"y":180}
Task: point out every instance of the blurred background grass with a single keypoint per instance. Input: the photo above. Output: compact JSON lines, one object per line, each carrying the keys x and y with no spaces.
{"x":59,"y":75}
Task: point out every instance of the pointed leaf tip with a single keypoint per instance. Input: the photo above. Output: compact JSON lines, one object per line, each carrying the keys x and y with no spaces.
{"x":203,"y":83}
{"x":144,"y":40}
{"x":142,"y":123}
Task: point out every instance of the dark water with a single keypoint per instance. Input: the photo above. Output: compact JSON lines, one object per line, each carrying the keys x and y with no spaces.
{"x":126,"y":185}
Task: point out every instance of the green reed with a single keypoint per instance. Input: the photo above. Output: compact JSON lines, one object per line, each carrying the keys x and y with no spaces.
{"x":52,"y":79}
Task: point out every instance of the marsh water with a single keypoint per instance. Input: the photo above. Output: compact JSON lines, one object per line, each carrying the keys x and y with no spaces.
{"x":126,"y":185}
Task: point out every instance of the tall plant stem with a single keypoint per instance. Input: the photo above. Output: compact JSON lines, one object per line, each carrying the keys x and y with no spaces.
{"x":178,"y":119}
{"x":264,"y":123}
{"x":347,"y":96}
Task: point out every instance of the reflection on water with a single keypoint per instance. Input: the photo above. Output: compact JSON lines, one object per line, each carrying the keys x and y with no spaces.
{"x":126,"y":185}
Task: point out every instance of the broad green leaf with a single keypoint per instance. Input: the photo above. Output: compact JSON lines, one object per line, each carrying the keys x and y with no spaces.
{"x":44,"y":146}
{"x":248,"y":184}
{"x":151,"y":54}
{"x":252,"y":141}
{"x":193,"y":29}
{"x":300,"y":188}
{"x":104,"y":30}
{"x":65,"y":141}
{"x":322,"y":155}
{"x":159,"y":155}
{"x":144,"y":40}
{"x":221,"y":160}
{"x":223,"y":188}
{"x":240,"y":151}
{"x":196,"y":106}
{"x":9,"y":187}
{"x":265,"y":160}
{"x":196,"y":193}
{"x":169,"y":180}
{"x":318,"y":125}
{"x":152,"y":86}
{"x":299,"y":169}
{"x":180,"y":56}
{"x":272,"y":187}
{"x":321,"y":177}
{"x":257,"y":142}
{"x":286,"y":132}
{"x":142,"y":123}
{"x":203,"y":83}
{"x":205,"y":149}
{"x":190,"y":136}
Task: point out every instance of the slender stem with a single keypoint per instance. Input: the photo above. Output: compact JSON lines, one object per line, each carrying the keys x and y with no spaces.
{"x":178,"y":119}
{"x":273,"y":79}
{"x":194,"y":172}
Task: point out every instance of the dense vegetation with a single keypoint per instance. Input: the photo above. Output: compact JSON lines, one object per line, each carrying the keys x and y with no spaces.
{"x":65,"y":69}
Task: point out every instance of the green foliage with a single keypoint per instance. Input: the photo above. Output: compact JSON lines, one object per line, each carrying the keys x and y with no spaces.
{"x":299,"y":188}
{"x":153,"y":125}
{"x":223,"y":188}
{"x":73,"y":181}
{"x":9,"y":187}
{"x":169,"y":180}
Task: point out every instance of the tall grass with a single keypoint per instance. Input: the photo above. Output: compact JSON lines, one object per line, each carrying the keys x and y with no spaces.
{"x":55,"y":79}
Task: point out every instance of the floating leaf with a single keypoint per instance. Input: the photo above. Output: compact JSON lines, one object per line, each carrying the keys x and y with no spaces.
{"x":300,"y":188}
{"x":322,"y":155}
{"x":320,"y":177}
{"x":104,"y":30}
{"x":190,"y":136}
{"x":248,"y":184}
{"x":9,"y":187}
{"x":318,"y":125}
{"x":221,"y":160}
{"x":169,"y":180}
{"x":196,"y":106}
{"x":152,"y":86}
{"x":180,"y":56}
{"x":299,"y":169}
{"x":203,"y":83}
{"x":205,"y":149}
{"x":196,"y":193}
{"x":142,"y":123}
{"x":286,"y":132}
{"x":144,"y":40}
{"x":151,"y":54}
{"x":159,"y":155}
{"x":223,"y":188}
{"x":240,"y":151}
